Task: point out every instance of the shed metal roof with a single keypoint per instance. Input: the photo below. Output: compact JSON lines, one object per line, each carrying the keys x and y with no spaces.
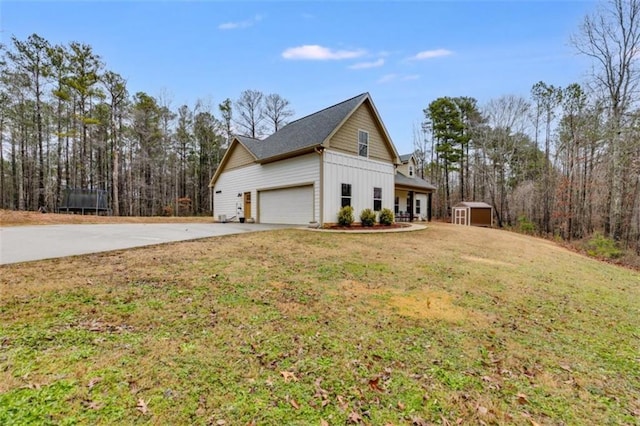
{"x":474,"y":204}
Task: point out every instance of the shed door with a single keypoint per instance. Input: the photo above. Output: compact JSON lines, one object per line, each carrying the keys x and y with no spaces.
{"x":481,"y":217}
{"x":460,"y":216}
{"x":288,"y":206}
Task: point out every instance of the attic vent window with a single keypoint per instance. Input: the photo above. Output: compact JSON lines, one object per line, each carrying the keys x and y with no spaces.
{"x":363,"y":144}
{"x":410,"y":171}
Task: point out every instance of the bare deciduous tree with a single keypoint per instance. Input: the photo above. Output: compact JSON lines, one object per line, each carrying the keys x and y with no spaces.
{"x":250,"y":113}
{"x":611,"y":37}
{"x":276,"y":110}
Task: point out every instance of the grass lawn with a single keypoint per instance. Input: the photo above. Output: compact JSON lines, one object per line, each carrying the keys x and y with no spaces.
{"x":450,"y":325}
{"x":19,"y":218}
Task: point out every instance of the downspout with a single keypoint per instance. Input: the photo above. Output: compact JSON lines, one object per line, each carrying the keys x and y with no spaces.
{"x":320,"y":152}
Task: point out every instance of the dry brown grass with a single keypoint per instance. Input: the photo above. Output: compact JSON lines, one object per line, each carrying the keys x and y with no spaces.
{"x":19,"y":218}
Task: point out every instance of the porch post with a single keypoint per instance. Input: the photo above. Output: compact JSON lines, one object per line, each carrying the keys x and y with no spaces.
{"x":410,"y":206}
{"x":429,"y":207}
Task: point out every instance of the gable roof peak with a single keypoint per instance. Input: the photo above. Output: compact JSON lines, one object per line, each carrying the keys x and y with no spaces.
{"x":359,"y":97}
{"x":406,"y":157}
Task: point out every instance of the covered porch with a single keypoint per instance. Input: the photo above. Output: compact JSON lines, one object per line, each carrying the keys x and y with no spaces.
{"x":412,"y":199}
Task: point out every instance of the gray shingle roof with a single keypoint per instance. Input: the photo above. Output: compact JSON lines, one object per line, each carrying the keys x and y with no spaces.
{"x":405,"y":158}
{"x":415,"y":182}
{"x":306,"y":132}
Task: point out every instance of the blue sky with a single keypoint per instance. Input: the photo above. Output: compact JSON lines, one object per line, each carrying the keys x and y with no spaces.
{"x":315,"y":54}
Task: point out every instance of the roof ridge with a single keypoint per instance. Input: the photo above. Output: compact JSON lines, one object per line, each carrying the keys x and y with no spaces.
{"x":329,"y":107}
{"x":247,"y":137}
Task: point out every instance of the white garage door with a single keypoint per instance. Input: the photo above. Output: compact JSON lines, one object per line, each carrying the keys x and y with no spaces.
{"x":290,"y":205}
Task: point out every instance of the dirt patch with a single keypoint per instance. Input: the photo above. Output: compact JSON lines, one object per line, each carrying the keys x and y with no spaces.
{"x":486,"y":261}
{"x":421,"y":303}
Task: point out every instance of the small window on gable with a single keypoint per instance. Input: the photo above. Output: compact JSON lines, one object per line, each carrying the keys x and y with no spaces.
{"x":363,"y":144}
{"x":377,"y":199}
{"x":410,"y":170}
{"x":346,"y":195}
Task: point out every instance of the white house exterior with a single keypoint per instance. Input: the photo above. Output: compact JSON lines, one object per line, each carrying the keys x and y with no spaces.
{"x":412,"y":193}
{"x":310,"y":168}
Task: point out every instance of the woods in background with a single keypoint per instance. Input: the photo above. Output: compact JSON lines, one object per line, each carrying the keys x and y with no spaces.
{"x":564,"y":162}
{"x":68,"y":122}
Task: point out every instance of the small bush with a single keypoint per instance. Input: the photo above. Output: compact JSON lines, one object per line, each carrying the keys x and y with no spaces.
{"x":345,"y":216}
{"x":526,"y":226}
{"x":386,"y":217}
{"x":601,"y":246}
{"x":367,"y":217}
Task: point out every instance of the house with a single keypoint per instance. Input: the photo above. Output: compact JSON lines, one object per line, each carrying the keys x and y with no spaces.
{"x":307,"y":170}
{"x":472,"y":213}
{"x":412,"y":193}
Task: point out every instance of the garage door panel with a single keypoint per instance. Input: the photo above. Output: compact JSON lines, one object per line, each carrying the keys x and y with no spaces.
{"x":287,"y":206}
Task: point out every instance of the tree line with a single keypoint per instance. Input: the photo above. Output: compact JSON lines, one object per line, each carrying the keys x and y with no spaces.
{"x":66,"y":121}
{"x":566,"y":160}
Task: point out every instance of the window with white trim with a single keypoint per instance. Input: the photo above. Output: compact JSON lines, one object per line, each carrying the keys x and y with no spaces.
{"x":396,"y":206}
{"x":410,"y":170}
{"x":417,"y":206}
{"x":346,"y":195}
{"x":377,"y":199}
{"x":363,"y":143}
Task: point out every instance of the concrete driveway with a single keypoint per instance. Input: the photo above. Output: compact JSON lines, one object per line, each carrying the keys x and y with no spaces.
{"x":27,"y":243}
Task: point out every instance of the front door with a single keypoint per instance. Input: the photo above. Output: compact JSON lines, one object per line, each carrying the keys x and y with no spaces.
{"x":247,"y":205}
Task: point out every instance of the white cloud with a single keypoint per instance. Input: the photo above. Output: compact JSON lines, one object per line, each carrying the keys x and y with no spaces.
{"x":388,"y":78}
{"x":429,"y":54}
{"x":316,"y":52}
{"x":365,"y":65}
{"x":241,"y":24}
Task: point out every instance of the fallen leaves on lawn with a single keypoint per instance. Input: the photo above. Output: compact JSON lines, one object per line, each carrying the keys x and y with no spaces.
{"x":522,"y":399}
{"x":92,"y":405}
{"x":293,"y":403}
{"x":94,"y":381}
{"x":417,"y":421}
{"x":342,"y":403}
{"x":354,"y":418}
{"x":288,"y":376}
{"x":375,"y":384}
{"x":142,"y":406}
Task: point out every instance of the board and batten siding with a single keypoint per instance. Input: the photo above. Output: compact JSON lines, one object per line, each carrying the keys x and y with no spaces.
{"x":402,"y":202}
{"x":302,"y":170}
{"x":346,"y":138}
{"x":363,"y":175}
{"x":239,"y":157}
